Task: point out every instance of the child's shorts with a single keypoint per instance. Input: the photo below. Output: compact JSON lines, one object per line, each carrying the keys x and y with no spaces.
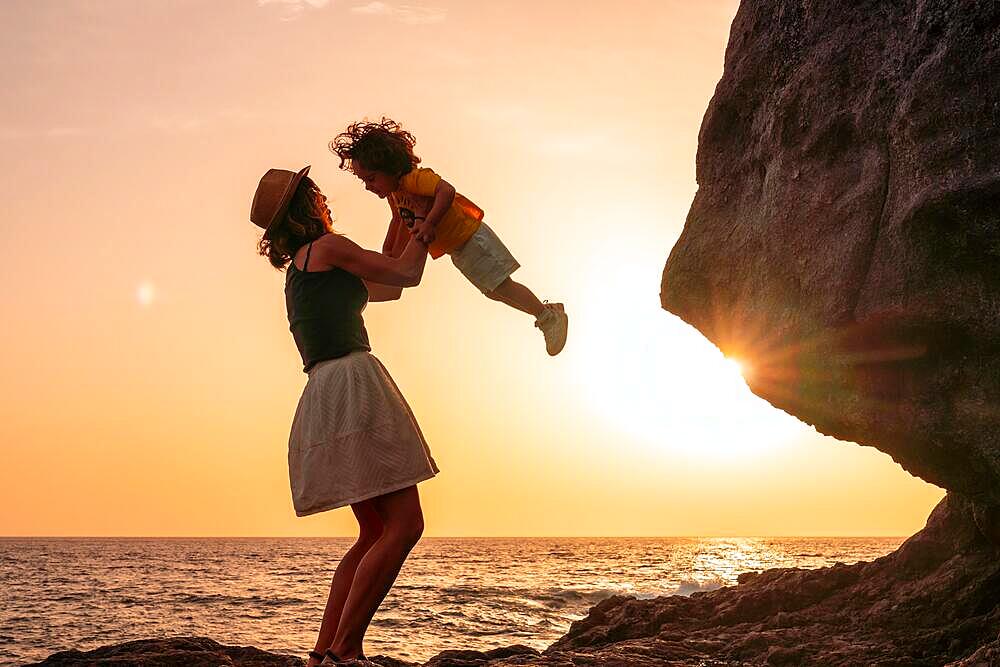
{"x":484,"y":259}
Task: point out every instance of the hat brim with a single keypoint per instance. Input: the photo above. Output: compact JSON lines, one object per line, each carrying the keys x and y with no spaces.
{"x":286,"y":199}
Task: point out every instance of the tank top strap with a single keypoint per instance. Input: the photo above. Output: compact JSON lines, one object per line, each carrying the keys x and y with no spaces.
{"x":305,"y":265}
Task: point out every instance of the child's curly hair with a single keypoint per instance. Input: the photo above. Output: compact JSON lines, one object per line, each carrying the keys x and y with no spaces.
{"x":305,"y":221}
{"x":383,"y":146}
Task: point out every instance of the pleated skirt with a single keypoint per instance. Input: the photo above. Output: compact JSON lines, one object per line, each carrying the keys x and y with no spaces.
{"x":353,"y":437}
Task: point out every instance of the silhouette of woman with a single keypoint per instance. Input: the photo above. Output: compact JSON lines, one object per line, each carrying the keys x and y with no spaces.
{"x":354,"y":440}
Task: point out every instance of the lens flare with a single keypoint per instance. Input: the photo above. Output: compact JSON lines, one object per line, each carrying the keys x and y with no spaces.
{"x":145,"y":294}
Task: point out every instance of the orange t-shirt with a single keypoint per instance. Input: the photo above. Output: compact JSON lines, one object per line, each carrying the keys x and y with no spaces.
{"x":413,"y":200}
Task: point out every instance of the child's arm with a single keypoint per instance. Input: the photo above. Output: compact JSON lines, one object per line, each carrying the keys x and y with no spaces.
{"x":395,"y":241}
{"x":402,"y":237}
{"x":444,"y":195}
{"x":392,"y":237}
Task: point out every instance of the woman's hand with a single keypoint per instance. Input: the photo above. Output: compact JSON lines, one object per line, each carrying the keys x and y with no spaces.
{"x":423,"y":231}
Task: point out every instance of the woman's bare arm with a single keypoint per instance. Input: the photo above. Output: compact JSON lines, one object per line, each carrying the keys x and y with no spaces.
{"x":403,"y":271}
{"x":380,"y":292}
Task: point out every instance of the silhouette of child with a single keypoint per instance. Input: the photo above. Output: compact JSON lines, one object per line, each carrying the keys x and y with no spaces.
{"x":381,"y":155}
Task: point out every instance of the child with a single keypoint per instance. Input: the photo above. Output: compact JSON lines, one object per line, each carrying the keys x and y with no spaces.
{"x":381,"y":155}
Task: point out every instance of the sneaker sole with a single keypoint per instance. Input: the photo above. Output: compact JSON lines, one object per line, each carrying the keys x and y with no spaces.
{"x":562,"y":342}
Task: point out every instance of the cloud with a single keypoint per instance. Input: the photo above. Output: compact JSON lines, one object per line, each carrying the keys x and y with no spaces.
{"x":403,"y":13}
{"x":318,"y":4}
{"x":293,"y":9}
{"x":65,"y":132}
{"x":574,"y":145}
{"x":180,"y":122}
{"x":12,"y":133}
{"x":141,"y":121}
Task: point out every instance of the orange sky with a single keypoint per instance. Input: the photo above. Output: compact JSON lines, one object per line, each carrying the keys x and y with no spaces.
{"x":147,"y":375}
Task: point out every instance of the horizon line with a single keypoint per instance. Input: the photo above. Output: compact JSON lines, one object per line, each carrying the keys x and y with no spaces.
{"x":445,"y":537}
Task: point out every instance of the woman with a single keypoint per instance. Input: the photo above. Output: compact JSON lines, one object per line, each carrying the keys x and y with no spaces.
{"x":353,"y":440}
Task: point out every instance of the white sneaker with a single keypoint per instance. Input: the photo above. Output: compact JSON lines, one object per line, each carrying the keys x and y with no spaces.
{"x":554,"y":323}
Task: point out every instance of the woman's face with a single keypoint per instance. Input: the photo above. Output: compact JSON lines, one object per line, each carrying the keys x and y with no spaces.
{"x":327,"y":214}
{"x":377,"y":182}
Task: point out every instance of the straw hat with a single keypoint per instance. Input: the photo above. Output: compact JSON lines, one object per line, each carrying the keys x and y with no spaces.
{"x":274,"y":192}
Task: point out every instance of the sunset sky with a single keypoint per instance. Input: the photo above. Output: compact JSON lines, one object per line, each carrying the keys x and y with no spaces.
{"x":147,"y":375}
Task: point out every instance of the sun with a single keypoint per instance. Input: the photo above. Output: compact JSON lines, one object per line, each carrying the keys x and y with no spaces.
{"x":734,"y":365}
{"x":657,"y":379}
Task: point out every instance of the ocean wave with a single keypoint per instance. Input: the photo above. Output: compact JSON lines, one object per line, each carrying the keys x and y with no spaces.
{"x":219,"y":598}
{"x":689,"y":586}
{"x":560,"y":597}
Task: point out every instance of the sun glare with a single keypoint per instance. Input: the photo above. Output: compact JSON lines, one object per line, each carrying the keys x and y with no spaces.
{"x":657,"y":379}
{"x":145,"y":294}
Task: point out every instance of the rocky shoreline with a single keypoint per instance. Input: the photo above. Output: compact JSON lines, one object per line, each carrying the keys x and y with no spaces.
{"x":205,"y":652}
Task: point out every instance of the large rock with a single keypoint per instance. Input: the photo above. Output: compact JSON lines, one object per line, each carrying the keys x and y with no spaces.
{"x":932,"y":601}
{"x":845,"y":244}
{"x":845,"y":237}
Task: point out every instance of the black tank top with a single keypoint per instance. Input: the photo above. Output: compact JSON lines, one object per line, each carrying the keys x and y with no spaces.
{"x":324,"y":312}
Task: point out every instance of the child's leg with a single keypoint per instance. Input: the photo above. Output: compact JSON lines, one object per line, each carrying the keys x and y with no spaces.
{"x":518,"y":296}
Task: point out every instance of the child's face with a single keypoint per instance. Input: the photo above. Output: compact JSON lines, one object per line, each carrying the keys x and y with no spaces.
{"x":378,"y":182}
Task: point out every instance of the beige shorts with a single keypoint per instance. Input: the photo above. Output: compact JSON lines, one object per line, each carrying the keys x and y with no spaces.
{"x":484,"y":259}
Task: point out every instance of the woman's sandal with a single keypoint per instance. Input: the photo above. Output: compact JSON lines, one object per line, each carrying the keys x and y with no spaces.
{"x":330,"y":658}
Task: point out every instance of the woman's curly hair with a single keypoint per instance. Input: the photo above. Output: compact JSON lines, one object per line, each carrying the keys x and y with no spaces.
{"x":307,"y":220}
{"x":383,"y":146}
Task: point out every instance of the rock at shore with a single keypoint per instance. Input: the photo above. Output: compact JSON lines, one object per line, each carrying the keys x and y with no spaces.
{"x":204,"y":652}
{"x":176,"y":651}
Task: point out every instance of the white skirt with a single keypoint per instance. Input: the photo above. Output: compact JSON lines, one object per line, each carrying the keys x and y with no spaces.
{"x":353,"y":437}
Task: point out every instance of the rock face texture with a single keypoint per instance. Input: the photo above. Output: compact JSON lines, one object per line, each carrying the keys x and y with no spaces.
{"x":845,"y":237}
{"x":191,"y":651}
{"x":845,"y":244}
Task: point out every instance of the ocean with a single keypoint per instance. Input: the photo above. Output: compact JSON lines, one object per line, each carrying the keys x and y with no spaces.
{"x":469,"y":593}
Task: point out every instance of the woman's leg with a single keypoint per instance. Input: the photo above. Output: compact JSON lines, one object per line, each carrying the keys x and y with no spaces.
{"x":518,"y":296}
{"x":402,"y":526}
{"x":369,"y":530}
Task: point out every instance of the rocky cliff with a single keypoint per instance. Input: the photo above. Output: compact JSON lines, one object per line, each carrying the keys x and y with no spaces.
{"x":845,"y":244}
{"x":844,"y":239}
